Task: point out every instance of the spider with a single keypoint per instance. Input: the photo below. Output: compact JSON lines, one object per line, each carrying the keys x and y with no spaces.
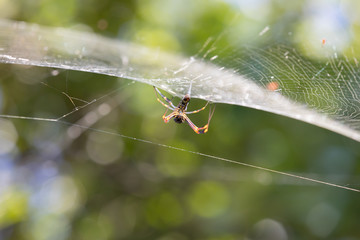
{"x":179,"y":112}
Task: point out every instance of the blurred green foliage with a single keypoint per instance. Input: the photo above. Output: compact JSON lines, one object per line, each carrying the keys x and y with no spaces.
{"x":61,"y":183}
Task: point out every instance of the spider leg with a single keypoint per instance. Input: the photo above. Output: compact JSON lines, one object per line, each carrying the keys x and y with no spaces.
{"x":168,"y":117}
{"x":196,"y":111}
{"x":196,"y":129}
{"x":203,"y":129}
{"x":211,"y":113}
{"x":165,"y":105}
{"x":157,"y":91}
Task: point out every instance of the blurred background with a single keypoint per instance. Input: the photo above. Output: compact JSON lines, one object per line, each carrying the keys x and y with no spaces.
{"x":84,"y":180}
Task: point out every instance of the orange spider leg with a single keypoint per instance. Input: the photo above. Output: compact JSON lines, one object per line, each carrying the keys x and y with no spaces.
{"x":168,"y":117}
{"x":196,"y":129}
{"x":196,"y":111}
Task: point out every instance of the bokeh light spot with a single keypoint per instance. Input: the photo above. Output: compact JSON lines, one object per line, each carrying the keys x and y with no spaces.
{"x":13,"y":207}
{"x":269,"y":229}
{"x":8,"y":136}
{"x":208,"y":199}
{"x":322,"y":219}
{"x":104,"y":149}
{"x":164,"y":210}
{"x":59,"y":195}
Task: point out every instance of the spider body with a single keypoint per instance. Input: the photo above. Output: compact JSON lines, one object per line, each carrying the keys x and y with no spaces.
{"x":181,"y":109}
{"x":179,"y":113}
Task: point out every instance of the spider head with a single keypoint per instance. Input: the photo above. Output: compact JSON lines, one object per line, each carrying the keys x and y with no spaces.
{"x":179,"y":119}
{"x":186,"y":99}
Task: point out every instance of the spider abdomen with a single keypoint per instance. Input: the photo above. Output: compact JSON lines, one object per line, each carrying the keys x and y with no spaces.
{"x":179,"y":119}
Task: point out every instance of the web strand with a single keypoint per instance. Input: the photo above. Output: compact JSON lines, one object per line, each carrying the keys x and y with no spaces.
{"x":185,"y":150}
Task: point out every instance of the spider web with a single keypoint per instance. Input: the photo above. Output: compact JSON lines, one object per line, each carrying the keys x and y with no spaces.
{"x":274,"y":78}
{"x":269,"y":74}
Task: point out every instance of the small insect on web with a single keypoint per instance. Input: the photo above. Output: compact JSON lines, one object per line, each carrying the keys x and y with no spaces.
{"x":179,"y":113}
